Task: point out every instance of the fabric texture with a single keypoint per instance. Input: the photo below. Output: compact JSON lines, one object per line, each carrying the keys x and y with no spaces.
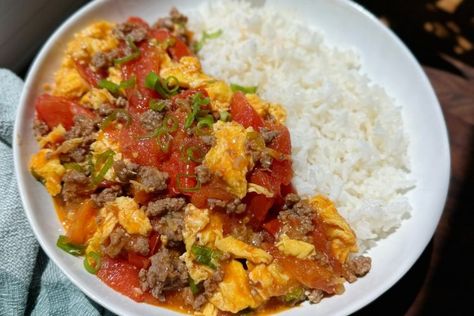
{"x":30,"y":284}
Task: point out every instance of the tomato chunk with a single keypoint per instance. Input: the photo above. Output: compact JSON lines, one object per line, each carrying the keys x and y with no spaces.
{"x":83,"y":224}
{"x":88,"y":74}
{"x":258,"y":206}
{"x":138,"y":261}
{"x":242,"y":112}
{"x":55,"y":110}
{"x":213,"y":190}
{"x":121,"y":276}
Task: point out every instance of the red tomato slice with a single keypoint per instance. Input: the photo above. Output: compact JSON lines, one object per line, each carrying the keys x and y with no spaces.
{"x":272,"y":226}
{"x":138,"y":261}
{"x":122,"y":277}
{"x":179,"y":49}
{"x":89,"y":75}
{"x":213,"y":190}
{"x":266,"y":179}
{"x":242,"y":112}
{"x":54,"y":110}
{"x":154,"y":242}
{"x":182,"y":177}
{"x":258,"y":206}
{"x":138,"y":21}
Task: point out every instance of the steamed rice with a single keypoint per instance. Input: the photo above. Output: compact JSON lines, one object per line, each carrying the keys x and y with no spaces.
{"x":347,"y":135}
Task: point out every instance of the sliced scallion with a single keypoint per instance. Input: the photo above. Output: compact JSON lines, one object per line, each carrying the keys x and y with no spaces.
{"x":134,"y":55}
{"x":224,"y":116}
{"x":206,"y":36}
{"x":244,"y":89}
{"x":157,"y":105}
{"x":64,"y":244}
{"x":92,"y":262}
{"x":181,"y":177}
{"x":207,"y":256}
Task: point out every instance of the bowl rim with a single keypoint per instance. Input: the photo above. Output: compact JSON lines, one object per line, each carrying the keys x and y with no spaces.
{"x":347,"y":4}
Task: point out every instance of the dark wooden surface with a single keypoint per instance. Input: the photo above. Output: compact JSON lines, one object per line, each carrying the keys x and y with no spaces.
{"x":442,"y":280}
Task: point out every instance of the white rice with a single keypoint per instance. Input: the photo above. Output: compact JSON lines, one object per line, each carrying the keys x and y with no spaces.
{"x":347,"y":135}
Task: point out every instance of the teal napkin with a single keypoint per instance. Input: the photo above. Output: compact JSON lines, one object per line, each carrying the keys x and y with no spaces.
{"x":30,"y":284}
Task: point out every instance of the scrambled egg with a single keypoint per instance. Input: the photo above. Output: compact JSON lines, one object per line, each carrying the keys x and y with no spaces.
{"x":53,"y":137}
{"x":269,"y":280}
{"x":264,"y":108}
{"x":131,"y":216}
{"x":239,"y":249}
{"x":96,"y":97}
{"x":124,"y":211}
{"x":95,"y":38}
{"x":234,"y":293}
{"x":220,"y":95}
{"x":208,"y":310}
{"x":252,"y":187}
{"x":342,"y":238}
{"x":115,"y":74}
{"x":295,"y":248}
{"x":48,"y":169}
{"x":101,"y":145}
{"x":228,"y":158}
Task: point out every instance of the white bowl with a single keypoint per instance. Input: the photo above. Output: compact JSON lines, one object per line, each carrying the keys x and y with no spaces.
{"x":385,"y":59}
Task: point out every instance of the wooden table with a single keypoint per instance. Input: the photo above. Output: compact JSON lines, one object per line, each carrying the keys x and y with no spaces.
{"x":442,"y":280}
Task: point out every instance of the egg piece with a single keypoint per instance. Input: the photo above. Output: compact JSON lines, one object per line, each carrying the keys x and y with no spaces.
{"x":197,"y":272}
{"x":228,"y":158}
{"x":107,"y":225}
{"x":115,"y":74}
{"x":48,"y":170}
{"x":269,"y":280}
{"x":55,"y":136}
{"x":95,"y":97}
{"x":208,"y":310}
{"x":220,"y":95}
{"x":212,"y":232}
{"x":240,"y":249}
{"x":295,"y":248}
{"x":252,"y":187}
{"x":131,"y":216}
{"x":233,"y":294}
{"x":341,"y":237}
{"x":195,"y":219}
{"x":187,"y":70}
{"x":100,"y":146}
{"x":264,"y":108}
{"x":95,"y":38}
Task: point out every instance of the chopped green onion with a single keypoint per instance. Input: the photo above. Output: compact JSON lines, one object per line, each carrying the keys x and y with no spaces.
{"x":64,"y":244}
{"x":113,"y":116}
{"x":157,"y":105}
{"x":163,"y":139}
{"x":73,"y":166}
{"x":195,"y":288}
{"x":189,"y":154}
{"x":106,"y":159}
{"x":93,"y":257}
{"x":204,"y":124}
{"x":170,"y":123}
{"x":174,"y":85}
{"x":130,"y":83}
{"x":134,"y":55}
{"x":244,"y":89}
{"x":206,"y":36}
{"x":180,"y":185}
{"x":294,"y":295}
{"x":207,"y":256}
{"x":151,"y":79}
{"x":224,"y":116}
{"x":196,"y":102}
{"x":165,"y":87}
{"x":109,"y":85}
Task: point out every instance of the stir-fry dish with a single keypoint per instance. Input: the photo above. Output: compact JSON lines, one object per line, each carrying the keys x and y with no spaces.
{"x":176,"y":187}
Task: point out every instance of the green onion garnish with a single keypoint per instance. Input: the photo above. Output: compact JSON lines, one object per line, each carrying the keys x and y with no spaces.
{"x":64,"y":244}
{"x":224,"y":116}
{"x":73,"y":166}
{"x":244,"y":89}
{"x":204,"y":124}
{"x":163,"y":139}
{"x":207,"y":256}
{"x":170,"y":123}
{"x":195,"y":288}
{"x":116,"y":88}
{"x":294,"y":295}
{"x":113,"y":116}
{"x":196,"y":102}
{"x":106,"y":159}
{"x":165,"y":87}
{"x":130,"y":83}
{"x":134,"y":55}
{"x":157,"y":105}
{"x":192,"y":153}
{"x":206,"y":36}
{"x":94,"y":258}
{"x":180,"y":185}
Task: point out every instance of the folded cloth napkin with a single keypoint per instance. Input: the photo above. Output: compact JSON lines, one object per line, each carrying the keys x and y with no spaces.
{"x":29,"y":282}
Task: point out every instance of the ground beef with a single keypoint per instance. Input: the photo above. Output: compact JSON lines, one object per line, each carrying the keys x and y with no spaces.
{"x":176,"y":24}
{"x":170,"y":226}
{"x":196,"y":301}
{"x":357,"y":267}
{"x":203,"y":174}
{"x":213,"y":203}
{"x":121,"y":102}
{"x":314,"y":296}
{"x":235,"y":206}
{"x":105,"y":110}
{"x":297,"y":221}
{"x":107,"y":195}
{"x":84,"y":127}
{"x":40,"y":128}
{"x":247,"y":235}
{"x":151,"y":120}
{"x":102,"y":60}
{"x":74,"y":149}
{"x":209,"y":287}
{"x":125,"y":171}
{"x":265,"y":160}
{"x":162,"y":206}
{"x":167,"y":272}
{"x":291,"y":199}
{"x":119,"y":240}
{"x":152,"y":179}
{"x":268,"y":135}
{"x":135,"y":33}
{"x":208,"y":140}
{"x":76,"y":186}
{"x":177,"y":17}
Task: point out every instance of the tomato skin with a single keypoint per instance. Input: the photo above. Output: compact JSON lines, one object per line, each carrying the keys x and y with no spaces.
{"x":121,"y":276}
{"x":155,"y":242}
{"x":213,"y":190}
{"x":272,"y":226}
{"x":258,"y":206}
{"x":243,"y":113}
{"x":89,"y":75}
{"x":55,"y":110}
